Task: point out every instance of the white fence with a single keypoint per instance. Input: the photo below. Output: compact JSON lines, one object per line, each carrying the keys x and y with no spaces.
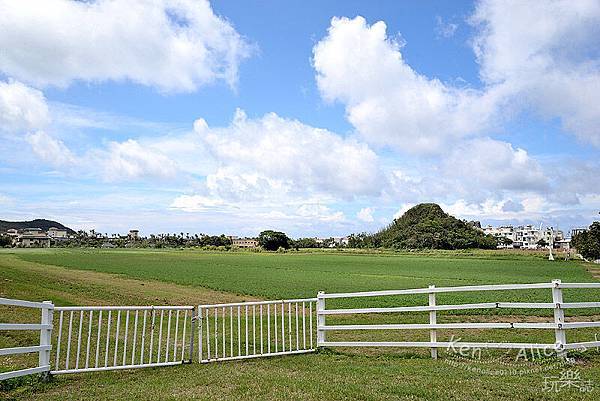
{"x":255,"y":329}
{"x":43,"y":348}
{"x":96,"y":338}
{"x":559,"y":325}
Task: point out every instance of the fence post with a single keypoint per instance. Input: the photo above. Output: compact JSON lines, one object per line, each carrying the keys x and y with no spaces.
{"x":200,"y":342}
{"x":192,"y":336}
{"x":46,"y":338}
{"x":432,"y":320}
{"x":320,"y":319}
{"x":559,"y":319}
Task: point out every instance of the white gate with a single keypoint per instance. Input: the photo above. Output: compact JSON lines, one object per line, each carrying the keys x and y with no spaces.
{"x":45,"y":329}
{"x":96,"y":338}
{"x":255,"y":329}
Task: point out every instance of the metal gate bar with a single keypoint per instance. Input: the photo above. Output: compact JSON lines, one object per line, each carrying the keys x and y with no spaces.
{"x":116,"y":342}
{"x":255,"y":329}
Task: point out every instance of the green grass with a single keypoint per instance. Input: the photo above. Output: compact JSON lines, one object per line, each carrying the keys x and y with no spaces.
{"x":320,"y":377}
{"x":302,"y":275}
{"x":82,"y":277}
{"x":294,"y":275}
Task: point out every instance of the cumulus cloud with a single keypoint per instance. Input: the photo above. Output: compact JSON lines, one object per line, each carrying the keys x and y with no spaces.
{"x":277,"y":170}
{"x":545,"y":56}
{"x":173,"y":45}
{"x":117,"y":161}
{"x":490,"y":164}
{"x":387,"y":101}
{"x":365,"y":214}
{"x":129,"y":160}
{"x":21,"y":108}
{"x":536,"y":58}
{"x":276,"y":152}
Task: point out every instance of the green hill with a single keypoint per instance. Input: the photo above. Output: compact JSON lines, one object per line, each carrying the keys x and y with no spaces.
{"x":428,"y":226}
{"x":37,"y":223}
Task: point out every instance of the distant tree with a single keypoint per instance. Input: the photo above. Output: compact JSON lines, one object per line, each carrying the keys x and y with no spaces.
{"x":305,"y":243}
{"x":214,"y":240}
{"x":5,"y":240}
{"x":272,"y":240}
{"x":587,"y":243}
{"x":505,"y":241}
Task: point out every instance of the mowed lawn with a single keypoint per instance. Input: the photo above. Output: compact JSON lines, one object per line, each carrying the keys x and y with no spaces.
{"x":79,"y":277}
{"x":294,"y":275}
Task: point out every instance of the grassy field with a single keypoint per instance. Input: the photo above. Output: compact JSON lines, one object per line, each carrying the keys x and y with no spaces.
{"x":91,"y":277}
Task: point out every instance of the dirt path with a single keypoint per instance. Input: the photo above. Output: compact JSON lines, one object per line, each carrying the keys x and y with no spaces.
{"x":33,"y":281}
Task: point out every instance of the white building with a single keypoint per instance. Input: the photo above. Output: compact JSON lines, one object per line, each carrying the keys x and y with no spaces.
{"x":524,"y":237}
{"x":501,"y":232}
{"x":332,"y":242}
{"x":57,"y":233}
{"x":244,"y":242}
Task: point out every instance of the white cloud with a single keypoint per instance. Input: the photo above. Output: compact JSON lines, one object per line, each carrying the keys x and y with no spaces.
{"x":444,"y":29}
{"x":387,"y":101}
{"x":281,"y":172}
{"x":485,"y":163}
{"x":21,"y":108}
{"x":117,"y":161}
{"x":287,"y":155}
{"x":545,"y":56}
{"x":173,"y":45}
{"x":51,"y":151}
{"x":365,"y":214}
{"x":544,"y":59}
{"x":195,"y":203}
{"x":320,"y":213}
{"x":403,"y":209}
{"x":129,"y":160}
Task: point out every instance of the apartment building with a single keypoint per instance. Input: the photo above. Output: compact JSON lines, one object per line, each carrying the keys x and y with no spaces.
{"x":525,"y":237}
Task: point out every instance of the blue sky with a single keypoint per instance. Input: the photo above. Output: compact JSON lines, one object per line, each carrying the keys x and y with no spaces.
{"x":317,"y":118}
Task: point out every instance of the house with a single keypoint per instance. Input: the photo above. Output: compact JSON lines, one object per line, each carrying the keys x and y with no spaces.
{"x":13,"y":233}
{"x":57,"y":233}
{"x":244,"y":242}
{"x":134,"y":234}
{"x":563,"y":244}
{"x":32,"y":238}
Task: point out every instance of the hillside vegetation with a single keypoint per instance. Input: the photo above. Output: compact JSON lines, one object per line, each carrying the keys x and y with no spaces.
{"x":427,"y":226}
{"x":37,"y":223}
